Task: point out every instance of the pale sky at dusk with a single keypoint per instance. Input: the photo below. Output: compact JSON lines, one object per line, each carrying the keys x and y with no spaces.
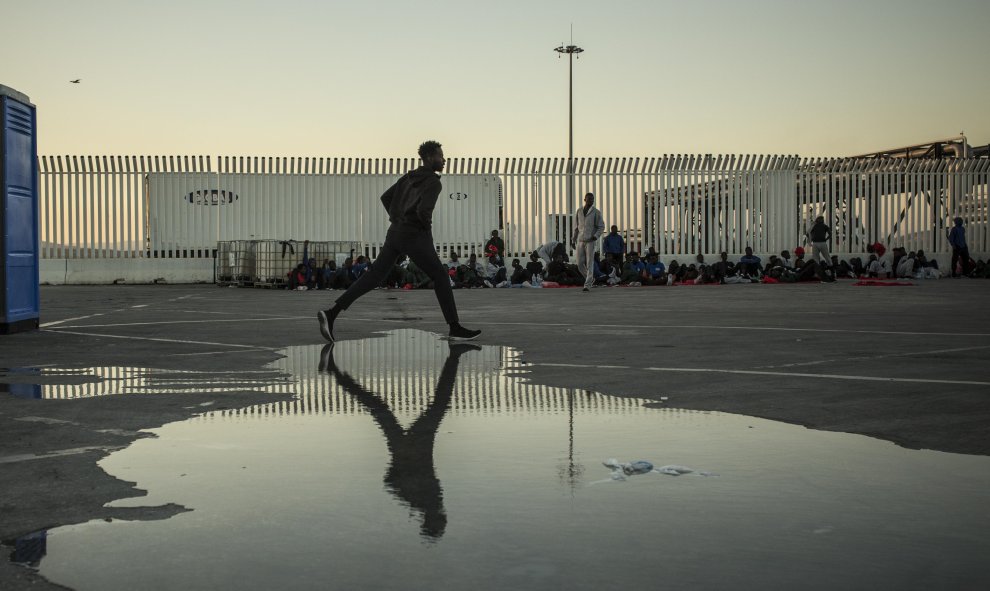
{"x":375,"y":78}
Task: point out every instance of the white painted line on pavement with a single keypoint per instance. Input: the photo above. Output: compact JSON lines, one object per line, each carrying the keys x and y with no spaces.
{"x":563,"y":324}
{"x":689,"y":326}
{"x":215,"y":352}
{"x":183,"y":342}
{"x":55,"y":322}
{"x":763,"y":373}
{"x":56,"y":453}
{"x":163,"y":322}
{"x":873,"y":357}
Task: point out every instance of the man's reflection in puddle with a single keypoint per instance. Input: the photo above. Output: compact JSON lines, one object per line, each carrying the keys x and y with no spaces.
{"x":411,"y":475}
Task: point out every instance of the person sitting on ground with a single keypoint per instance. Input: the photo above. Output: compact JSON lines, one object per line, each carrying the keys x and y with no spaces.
{"x":841,"y":268}
{"x":776,"y":271}
{"x":560,"y":272}
{"x":309,"y":268}
{"x":454,"y":261}
{"x":534,"y":266}
{"x":798,"y":257}
{"x":551,"y":249}
{"x":774,"y":261}
{"x":600,"y":276}
{"x":905,"y":266}
{"x":605,"y":273}
{"x":360,"y":265}
{"x":857,"y":267}
{"x":327,"y":272}
{"x":343,"y":278}
{"x":632,"y":270}
{"x":616,"y":261}
{"x":814,"y":271}
{"x":723,"y":268}
{"x":471,"y":274}
{"x":925,"y":263}
{"x":882,"y":259}
{"x":785,"y":259}
{"x":674,"y":271}
{"x":655,"y":272}
{"x":898,"y":253}
{"x":873,"y":267}
{"x":312,"y":274}
{"x":495,"y":273}
{"x":297,"y":278}
{"x":749,"y":264}
{"x":613,"y":246}
{"x":704,"y":273}
{"x":417,"y":278}
{"x":692,"y":272}
{"x":396,"y":277}
{"x":520,"y":276}
{"x":574,"y":270}
{"x":808,"y":271}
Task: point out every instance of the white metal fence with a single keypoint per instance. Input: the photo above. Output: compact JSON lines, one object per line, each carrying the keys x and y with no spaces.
{"x":114,"y":207}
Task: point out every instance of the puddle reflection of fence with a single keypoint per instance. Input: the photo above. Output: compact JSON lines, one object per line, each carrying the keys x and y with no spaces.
{"x":473,"y":395}
{"x":402,"y":368}
{"x":91,"y":382}
{"x":476,"y":392}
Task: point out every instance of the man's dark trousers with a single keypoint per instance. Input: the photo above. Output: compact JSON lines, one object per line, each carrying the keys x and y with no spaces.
{"x":417,"y":244}
{"x":960,"y":253}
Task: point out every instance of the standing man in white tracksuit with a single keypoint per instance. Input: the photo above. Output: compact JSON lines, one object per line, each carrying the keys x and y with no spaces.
{"x":588,"y":228}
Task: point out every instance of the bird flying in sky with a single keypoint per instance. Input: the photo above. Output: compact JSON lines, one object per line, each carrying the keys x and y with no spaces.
{"x":76,"y":81}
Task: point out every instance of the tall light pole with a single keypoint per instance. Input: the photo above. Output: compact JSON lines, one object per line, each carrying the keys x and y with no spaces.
{"x":570,"y":50}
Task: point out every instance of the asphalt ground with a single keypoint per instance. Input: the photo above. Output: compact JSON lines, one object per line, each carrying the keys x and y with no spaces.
{"x":904,"y":364}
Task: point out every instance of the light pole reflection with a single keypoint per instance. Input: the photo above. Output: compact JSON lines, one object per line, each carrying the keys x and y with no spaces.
{"x":570,"y":471}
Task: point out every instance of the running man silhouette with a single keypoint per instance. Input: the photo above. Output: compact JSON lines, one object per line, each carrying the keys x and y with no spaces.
{"x":410,"y":202}
{"x":411,"y":476}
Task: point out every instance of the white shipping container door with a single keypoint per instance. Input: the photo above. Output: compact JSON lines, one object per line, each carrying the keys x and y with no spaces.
{"x":195,"y":210}
{"x":182,"y":210}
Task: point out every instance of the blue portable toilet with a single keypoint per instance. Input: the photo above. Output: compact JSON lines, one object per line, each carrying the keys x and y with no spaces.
{"x":20,"y":300}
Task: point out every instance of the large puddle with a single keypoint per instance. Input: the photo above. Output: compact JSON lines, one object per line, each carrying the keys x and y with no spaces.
{"x":406,"y":463}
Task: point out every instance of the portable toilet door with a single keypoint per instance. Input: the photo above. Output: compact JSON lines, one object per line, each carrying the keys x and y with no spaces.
{"x":19,"y":249}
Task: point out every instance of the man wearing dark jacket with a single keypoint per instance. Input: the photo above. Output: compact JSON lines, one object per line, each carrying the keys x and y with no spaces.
{"x":614,"y":246}
{"x":960,"y":250}
{"x":410,"y":202}
{"x":819,"y":235}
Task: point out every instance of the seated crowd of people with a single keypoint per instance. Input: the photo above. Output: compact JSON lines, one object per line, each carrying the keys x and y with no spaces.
{"x":550,"y":266}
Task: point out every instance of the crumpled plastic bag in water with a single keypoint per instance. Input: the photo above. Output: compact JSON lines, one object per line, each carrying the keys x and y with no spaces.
{"x":622,"y":469}
{"x":629,"y":468}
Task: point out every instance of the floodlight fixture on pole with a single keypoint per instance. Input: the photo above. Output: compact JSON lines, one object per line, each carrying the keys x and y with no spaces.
{"x":571,"y":51}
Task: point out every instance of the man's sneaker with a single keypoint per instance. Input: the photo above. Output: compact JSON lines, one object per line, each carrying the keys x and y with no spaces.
{"x":585,"y":289}
{"x":326,"y":318}
{"x":460,"y":348}
{"x":459,"y":333}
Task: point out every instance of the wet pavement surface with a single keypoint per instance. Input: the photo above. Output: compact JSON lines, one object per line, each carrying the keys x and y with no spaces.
{"x":413,"y":462}
{"x":167,"y":438}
